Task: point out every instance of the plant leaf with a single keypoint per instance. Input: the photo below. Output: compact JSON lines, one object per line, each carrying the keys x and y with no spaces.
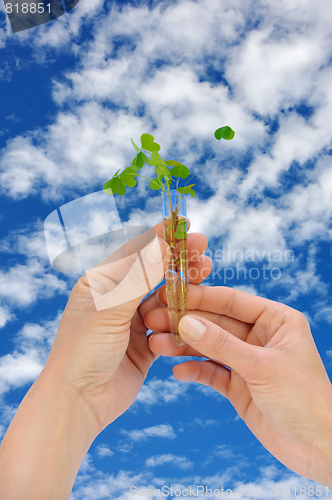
{"x":128,"y":177}
{"x":133,"y":163}
{"x":155,"y":184}
{"x":156,"y":159}
{"x":185,"y":189}
{"x":153,"y":146}
{"x":114,"y":186}
{"x":192,"y":192}
{"x":139,"y":160}
{"x":180,"y":171}
{"x":146,"y":139}
{"x":224,"y":133}
{"x":135,"y":146}
{"x":181,"y":229}
{"x":162,"y":170}
{"x":148,"y":143}
{"x":146,"y":159}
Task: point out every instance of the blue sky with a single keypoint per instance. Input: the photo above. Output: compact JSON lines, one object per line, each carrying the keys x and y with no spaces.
{"x":72,"y":94}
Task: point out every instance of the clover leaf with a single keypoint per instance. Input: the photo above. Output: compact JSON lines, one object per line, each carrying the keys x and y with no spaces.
{"x":224,"y":133}
{"x":128,"y":177}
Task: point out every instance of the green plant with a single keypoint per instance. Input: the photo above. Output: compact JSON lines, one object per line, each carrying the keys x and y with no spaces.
{"x":174,"y":216}
{"x":167,"y":171}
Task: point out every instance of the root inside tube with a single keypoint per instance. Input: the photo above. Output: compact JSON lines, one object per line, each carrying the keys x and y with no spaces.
{"x":176,"y":274}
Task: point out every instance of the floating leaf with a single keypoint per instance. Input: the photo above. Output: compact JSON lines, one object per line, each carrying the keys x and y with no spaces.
{"x":135,"y":146}
{"x":156,"y":184}
{"x":224,"y":133}
{"x":162,"y":170}
{"x":128,"y":177}
{"x":114,"y":186}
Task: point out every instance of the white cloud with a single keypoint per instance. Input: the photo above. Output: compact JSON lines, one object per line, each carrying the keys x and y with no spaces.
{"x":5,"y":316}
{"x":166,"y":73}
{"x":178,"y":461}
{"x":206,"y":423}
{"x":157,"y":391}
{"x":103,"y":450}
{"x":162,"y":430}
{"x":33,"y":343}
{"x":19,"y":369}
{"x":23,"y":285}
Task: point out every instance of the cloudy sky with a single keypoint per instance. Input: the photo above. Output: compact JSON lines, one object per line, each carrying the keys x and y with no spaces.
{"x":72,"y":94}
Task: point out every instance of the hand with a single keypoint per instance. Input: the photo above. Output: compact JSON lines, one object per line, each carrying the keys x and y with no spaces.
{"x":104,"y":354}
{"x":277,"y":382}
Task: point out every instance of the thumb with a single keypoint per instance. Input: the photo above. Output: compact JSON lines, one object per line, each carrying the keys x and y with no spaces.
{"x":218,"y":344}
{"x":144,"y":274}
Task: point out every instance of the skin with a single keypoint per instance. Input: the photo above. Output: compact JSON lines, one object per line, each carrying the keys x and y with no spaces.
{"x":95,"y":369}
{"x":277,"y":382}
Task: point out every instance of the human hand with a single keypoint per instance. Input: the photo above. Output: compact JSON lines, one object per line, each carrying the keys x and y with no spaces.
{"x":104,"y":354}
{"x":277,"y":382}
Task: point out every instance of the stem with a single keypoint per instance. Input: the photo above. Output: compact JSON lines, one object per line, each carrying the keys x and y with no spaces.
{"x":203,"y":164}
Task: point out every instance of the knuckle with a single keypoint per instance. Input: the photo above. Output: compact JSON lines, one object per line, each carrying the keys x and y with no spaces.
{"x":217,"y":342}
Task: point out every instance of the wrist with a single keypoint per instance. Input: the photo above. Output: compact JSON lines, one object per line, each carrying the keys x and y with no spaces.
{"x":46,"y":442}
{"x":322,"y":454}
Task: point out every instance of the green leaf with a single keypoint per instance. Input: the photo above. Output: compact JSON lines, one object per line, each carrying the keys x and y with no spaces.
{"x":192,"y":192}
{"x":136,"y":147}
{"x":182,"y":225}
{"x":155,"y":184}
{"x":138,"y":161}
{"x":153,"y":146}
{"x":148,"y":143}
{"x":128,"y":177}
{"x":146,"y":159}
{"x":181,"y":230}
{"x":114,"y":186}
{"x":146,"y":139}
{"x":133,"y":163}
{"x":180,"y":171}
{"x":185,"y":189}
{"x":156,"y":159}
{"x":224,"y":133}
{"x":162,"y":170}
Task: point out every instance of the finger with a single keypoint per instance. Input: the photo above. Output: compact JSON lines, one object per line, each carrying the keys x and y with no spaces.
{"x":229,"y":302}
{"x":199,"y":270}
{"x":118,"y":264}
{"x":155,"y":315}
{"x":162,"y":345}
{"x":220,"y":345}
{"x":206,"y":373}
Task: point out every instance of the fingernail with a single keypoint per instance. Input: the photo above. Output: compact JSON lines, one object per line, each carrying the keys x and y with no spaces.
{"x":155,"y":252}
{"x":192,"y":328}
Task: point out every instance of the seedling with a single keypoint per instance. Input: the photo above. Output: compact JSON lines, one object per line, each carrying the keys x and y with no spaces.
{"x":169,"y":174}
